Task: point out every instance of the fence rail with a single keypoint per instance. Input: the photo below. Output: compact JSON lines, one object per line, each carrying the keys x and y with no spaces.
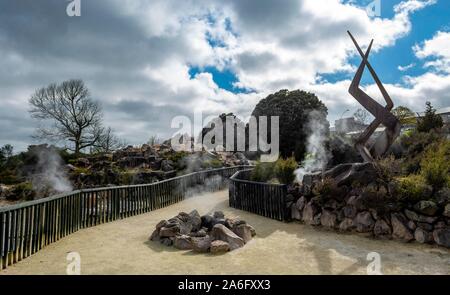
{"x":28,"y":227}
{"x":264,"y":199}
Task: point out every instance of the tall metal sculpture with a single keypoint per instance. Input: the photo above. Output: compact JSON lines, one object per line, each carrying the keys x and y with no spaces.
{"x":382,"y":114}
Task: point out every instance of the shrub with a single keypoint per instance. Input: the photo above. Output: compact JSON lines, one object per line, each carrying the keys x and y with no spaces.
{"x":263,"y":171}
{"x":435,"y":165}
{"x":411,"y":189}
{"x":22,"y":191}
{"x":284,"y":170}
{"x":387,"y":168}
{"x":328,"y":188}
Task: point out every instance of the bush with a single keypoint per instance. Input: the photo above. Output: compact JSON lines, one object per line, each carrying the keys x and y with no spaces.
{"x":22,"y":191}
{"x":435,"y":165}
{"x":387,"y":168}
{"x":263,"y":171}
{"x":328,"y":188}
{"x":411,"y":189}
{"x":430,"y":120}
{"x":284,"y":170}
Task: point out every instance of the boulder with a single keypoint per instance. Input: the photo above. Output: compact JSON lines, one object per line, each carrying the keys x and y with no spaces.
{"x":426,"y":208}
{"x":423,"y":236}
{"x":155,"y":235}
{"x":218,"y":247}
{"x":425,"y":226}
{"x":346,"y":224}
{"x":221,"y":232}
{"x":182,"y":242}
{"x":328,"y":219}
{"x":350,"y":211}
{"x":196,"y":220}
{"x":442,"y":237}
{"x":447,"y":210}
{"x":201,"y":244}
{"x":357,"y":202}
{"x":167,"y":165}
{"x":400,"y":229}
{"x":218,"y":215}
{"x":331,"y":204}
{"x":243,"y":231}
{"x":166,"y":242}
{"x":161,"y":224}
{"x":252,"y":230}
{"x":167,"y":232}
{"x":439,"y":225}
{"x":207,"y":221}
{"x":382,"y":229}
{"x":309,"y":212}
{"x":419,"y":218}
{"x":300,"y":204}
{"x":295,"y":213}
{"x":411,"y":225}
{"x":364,"y":222}
{"x":348,"y":173}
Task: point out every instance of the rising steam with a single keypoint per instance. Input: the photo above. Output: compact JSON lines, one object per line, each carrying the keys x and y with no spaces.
{"x":49,"y":174}
{"x":317,"y":155}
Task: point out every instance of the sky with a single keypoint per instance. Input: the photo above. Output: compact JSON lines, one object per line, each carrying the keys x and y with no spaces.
{"x":149,"y":61}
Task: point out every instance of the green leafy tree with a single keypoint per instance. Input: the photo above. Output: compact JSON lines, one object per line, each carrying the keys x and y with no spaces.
{"x":293,"y":108}
{"x":430,"y":120}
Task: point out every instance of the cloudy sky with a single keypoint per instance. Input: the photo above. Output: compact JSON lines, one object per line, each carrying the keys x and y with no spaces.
{"x":148,"y":61}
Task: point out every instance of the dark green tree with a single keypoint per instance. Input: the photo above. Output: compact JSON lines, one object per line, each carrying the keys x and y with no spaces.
{"x":294,"y":109}
{"x":430,"y":120}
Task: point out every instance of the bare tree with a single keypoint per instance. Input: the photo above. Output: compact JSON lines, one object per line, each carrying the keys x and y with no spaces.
{"x":75,"y":116}
{"x":109,"y":142}
{"x":154,"y":139}
{"x":361,"y":116}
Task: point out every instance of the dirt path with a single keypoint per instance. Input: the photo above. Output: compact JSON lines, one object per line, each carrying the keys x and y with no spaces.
{"x":122,"y":247}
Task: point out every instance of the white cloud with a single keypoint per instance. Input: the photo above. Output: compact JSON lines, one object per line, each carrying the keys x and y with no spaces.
{"x":407,"y":67}
{"x":437,"y":48}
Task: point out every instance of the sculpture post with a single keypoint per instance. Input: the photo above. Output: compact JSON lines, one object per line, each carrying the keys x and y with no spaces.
{"x":382,"y":114}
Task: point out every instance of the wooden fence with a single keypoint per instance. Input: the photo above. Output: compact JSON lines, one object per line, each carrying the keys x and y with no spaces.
{"x":28,"y":227}
{"x":264,"y":199}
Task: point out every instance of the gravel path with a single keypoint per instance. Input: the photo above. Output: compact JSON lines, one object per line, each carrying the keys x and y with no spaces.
{"x":122,"y":247}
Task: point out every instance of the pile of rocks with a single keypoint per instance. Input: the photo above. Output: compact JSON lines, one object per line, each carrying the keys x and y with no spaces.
{"x":208,"y":233}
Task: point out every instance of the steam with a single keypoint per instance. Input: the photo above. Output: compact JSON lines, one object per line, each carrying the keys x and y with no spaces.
{"x":49,"y":174}
{"x":317,"y":155}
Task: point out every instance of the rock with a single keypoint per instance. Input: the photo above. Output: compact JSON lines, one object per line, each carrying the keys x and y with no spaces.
{"x":218,"y":247}
{"x":442,"y":197}
{"x":295,"y":213}
{"x":219,"y":215}
{"x":346,"y":225}
{"x":200,"y":233}
{"x":167,"y":242}
{"x":426,"y":207}
{"x":331,"y":204}
{"x":155,"y":235}
{"x":346,"y":174}
{"x":425,"y":226}
{"x":419,"y":218}
{"x":221,"y":232}
{"x":309,"y":212}
{"x":161,"y":224}
{"x":167,"y":232}
{"x":300,"y":204}
{"x":252,"y":230}
{"x":422,"y":236}
{"x":382,"y":229}
{"x":207,"y":221}
{"x":328,"y":219}
{"x":400,"y":229}
{"x":167,"y":165}
{"x":411,"y":225}
{"x":350,"y":211}
{"x":196,"y":220}
{"x":244,"y":232}
{"x":439,"y":224}
{"x":364,"y":222}
{"x":442,"y":237}
{"x":182,"y":242}
{"x":447,"y":210}
{"x":316,"y":220}
{"x":201,"y":244}
{"x":357,"y":202}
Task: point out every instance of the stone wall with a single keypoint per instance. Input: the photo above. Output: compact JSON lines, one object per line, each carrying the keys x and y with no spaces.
{"x":347,"y":210}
